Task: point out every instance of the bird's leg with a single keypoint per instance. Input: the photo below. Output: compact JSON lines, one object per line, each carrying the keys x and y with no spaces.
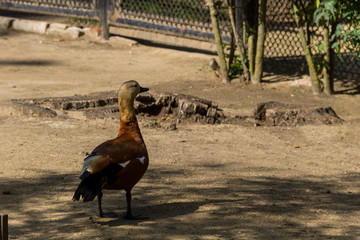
{"x":129,"y":214}
{"x":99,"y":196}
{"x":101,"y":213}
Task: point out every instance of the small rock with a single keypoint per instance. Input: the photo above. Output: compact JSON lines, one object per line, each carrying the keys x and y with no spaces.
{"x":58,"y":26}
{"x":73,"y":32}
{"x":305,"y":80}
{"x":93,"y":33}
{"x":172,"y":127}
{"x":121,"y":40}
{"x":5,"y":22}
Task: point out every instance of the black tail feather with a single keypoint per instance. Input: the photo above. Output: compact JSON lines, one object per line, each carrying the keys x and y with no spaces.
{"x":89,"y":187}
{"x":91,"y":184}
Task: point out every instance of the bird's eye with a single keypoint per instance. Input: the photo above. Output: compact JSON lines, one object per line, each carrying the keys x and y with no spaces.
{"x":135,"y":85}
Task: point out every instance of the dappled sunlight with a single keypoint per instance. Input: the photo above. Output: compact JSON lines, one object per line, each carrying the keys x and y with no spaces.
{"x":213,"y":205}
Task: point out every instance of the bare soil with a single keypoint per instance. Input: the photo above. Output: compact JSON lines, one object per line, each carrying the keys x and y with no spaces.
{"x":222,"y":181}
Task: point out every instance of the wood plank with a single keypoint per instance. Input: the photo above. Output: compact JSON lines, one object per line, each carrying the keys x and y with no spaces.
{"x":4,"y":227}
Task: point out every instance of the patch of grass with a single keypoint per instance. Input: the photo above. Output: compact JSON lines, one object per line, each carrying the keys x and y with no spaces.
{"x":85,"y":22}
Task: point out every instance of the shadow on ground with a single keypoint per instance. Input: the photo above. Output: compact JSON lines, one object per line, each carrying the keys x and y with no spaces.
{"x":259,"y":207}
{"x":293,"y":67}
{"x":35,"y":63}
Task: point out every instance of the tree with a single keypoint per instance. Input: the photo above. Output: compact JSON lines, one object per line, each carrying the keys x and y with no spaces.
{"x":224,"y":73}
{"x":340,"y":22}
{"x":253,"y":25}
{"x":303,"y":13}
{"x":344,"y":19}
{"x":258,"y":66}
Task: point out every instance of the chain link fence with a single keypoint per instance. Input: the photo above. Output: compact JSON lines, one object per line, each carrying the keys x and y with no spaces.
{"x":191,"y":19}
{"x":83,"y":8}
{"x":283,"y":50}
{"x":188,"y":18}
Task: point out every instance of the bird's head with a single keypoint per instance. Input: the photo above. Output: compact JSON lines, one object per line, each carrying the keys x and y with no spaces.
{"x":129,"y":90}
{"x":127,"y":94}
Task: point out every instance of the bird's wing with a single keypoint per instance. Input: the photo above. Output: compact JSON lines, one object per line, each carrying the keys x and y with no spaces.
{"x":116,"y":151}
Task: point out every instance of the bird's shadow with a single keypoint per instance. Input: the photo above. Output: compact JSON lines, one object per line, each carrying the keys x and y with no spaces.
{"x":153,"y":212}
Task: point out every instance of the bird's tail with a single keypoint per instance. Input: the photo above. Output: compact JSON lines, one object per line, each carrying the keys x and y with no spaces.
{"x":89,"y":187}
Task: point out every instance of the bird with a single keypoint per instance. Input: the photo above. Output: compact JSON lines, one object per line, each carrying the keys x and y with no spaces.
{"x":119,"y":163}
{"x":213,"y":64}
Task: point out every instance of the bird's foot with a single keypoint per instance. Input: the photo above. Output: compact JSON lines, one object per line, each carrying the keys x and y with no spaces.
{"x":108,"y":215}
{"x":134,"y":217}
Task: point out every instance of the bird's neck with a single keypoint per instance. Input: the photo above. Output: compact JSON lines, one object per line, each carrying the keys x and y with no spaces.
{"x":130,"y":127}
{"x":128,"y":121}
{"x":126,"y":108}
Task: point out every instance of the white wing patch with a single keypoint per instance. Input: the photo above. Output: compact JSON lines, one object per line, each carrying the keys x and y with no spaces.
{"x":141,"y":159}
{"x":124,"y":164}
{"x":88,"y":161}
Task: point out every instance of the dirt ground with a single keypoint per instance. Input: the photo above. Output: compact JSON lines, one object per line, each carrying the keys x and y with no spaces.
{"x":224,"y":181}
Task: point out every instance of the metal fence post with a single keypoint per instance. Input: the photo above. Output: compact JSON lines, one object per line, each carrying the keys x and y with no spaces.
{"x":238,"y":17}
{"x":4,"y":227}
{"x":102,"y":7}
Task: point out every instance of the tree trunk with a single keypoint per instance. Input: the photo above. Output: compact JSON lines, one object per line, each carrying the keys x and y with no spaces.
{"x":315,"y":82}
{"x":251,"y":54}
{"x":326,"y":71}
{"x":334,"y":25}
{"x":239,"y":43}
{"x":258,"y":71}
{"x":232,"y":51}
{"x":220,"y":51}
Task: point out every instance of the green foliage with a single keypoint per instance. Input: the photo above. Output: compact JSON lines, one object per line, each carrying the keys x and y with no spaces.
{"x":325,"y":12}
{"x":85,"y":22}
{"x":235,"y":69}
{"x":318,"y":62}
{"x":346,"y":16}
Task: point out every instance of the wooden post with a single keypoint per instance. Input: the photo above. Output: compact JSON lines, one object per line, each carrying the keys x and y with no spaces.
{"x":238,"y":17}
{"x":4,"y":227}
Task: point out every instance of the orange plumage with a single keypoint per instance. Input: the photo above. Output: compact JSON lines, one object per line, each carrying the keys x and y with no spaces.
{"x":118,"y":163}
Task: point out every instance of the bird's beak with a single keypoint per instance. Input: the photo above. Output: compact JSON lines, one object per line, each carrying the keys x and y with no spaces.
{"x":143,"y":89}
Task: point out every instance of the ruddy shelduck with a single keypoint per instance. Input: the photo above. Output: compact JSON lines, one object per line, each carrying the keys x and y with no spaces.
{"x":118,"y":163}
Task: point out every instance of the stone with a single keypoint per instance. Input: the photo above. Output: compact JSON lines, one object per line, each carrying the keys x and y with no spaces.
{"x":30,"y":26}
{"x":93,"y":33}
{"x":73,"y":33}
{"x":58,"y":26}
{"x":123,"y":41}
{"x":55,"y":32}
{"x":305,"y":81}
{"x":5,"y":22}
